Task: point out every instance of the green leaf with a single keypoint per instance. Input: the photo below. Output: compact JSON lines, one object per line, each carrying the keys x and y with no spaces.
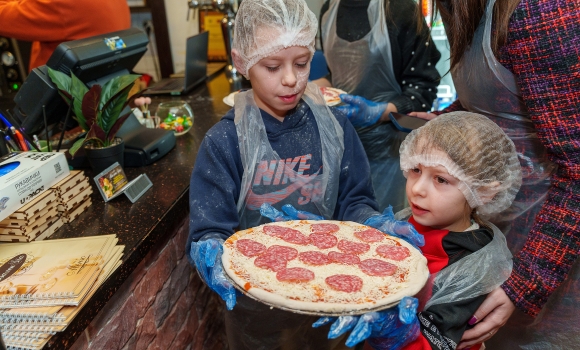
{"x":117,"y":126}
{"x":113,"y":108}
{"x":76,"y":146}
{"x":78,"y":91}
{"x":61,"y":80}
{"x":90,"y":104}
{"x":115,"y":86}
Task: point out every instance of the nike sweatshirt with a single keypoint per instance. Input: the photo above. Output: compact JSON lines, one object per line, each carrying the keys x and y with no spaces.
{"x":217,"y":174}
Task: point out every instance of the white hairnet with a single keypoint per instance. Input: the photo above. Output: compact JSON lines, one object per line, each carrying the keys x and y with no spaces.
{"x":474,"y":150}
{"x":264,"y":27}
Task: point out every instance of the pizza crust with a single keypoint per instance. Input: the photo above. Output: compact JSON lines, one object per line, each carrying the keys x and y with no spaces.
{"x":316,"y":297}
{"x":331,"y":97}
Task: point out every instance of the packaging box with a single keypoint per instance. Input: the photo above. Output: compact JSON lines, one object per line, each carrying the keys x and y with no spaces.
{"x":24,"y":176}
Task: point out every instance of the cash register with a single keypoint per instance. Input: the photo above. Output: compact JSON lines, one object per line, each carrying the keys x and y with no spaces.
{"x":93,"y":60}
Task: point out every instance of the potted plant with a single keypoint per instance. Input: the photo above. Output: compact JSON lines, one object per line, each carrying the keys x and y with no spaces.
{"x":99,"y":112}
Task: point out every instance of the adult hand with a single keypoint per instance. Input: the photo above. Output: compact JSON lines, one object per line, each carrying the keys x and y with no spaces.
{"x":360,"y":111}
{"x":289,"y":213}
{"x":423,"y":115}
{"x":387,"y":329}
{"x":402,"y":229}
{"x":207,"y":257}
{"x":489,"y":317}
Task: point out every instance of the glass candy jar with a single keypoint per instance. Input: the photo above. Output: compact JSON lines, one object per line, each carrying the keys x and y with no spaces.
{"x":176,"y":116}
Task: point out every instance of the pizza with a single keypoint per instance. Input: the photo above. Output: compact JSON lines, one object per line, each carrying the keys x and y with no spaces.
{"x":323,"y":267}
{"x":331,"y":96}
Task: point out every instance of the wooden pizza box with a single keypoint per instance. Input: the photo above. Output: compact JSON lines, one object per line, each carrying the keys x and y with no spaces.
{"x":74,"y":191}
{"x":50,"y":230}
{"x":69,"y":216}
{"x":26,"y":230}
{"x":39,"y":234}
{"x":13,"y":223}
{"x":75,"y":177}
{"x":76,"y":201}
{"x":29,"y":210}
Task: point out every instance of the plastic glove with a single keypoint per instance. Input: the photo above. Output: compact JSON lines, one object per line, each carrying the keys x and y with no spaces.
{"x":402,"y":229}
{"x":360,"y":111}
{"x":388,"y":329}
{"x":207,"y":255}
{"x":290,"y":213}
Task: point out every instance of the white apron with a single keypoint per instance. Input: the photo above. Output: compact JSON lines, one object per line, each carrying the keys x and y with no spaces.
{"x":251,"y":324}
{"x":365,"y":68}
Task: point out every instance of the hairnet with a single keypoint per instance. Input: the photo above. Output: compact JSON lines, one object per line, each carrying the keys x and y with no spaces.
{"x":474,"y":150}
{"x":264,"y":27}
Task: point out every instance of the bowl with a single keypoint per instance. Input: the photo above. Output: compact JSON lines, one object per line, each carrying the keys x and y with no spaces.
{"x":176,"y":116}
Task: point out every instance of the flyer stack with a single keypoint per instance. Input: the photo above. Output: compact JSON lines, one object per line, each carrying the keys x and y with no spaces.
{"x":45,"y":284}
{"x":74,"y":195}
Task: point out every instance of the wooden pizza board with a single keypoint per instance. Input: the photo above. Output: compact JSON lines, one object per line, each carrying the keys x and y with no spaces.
{"x":75,"y":177}
{"x":28,"y":211}
{"x":69,"y":216}
{"x":74,"y":190}
{"x":42,"y":232}
{"x":73,"y":203}
{"x":48,"y":215}
{"x":32,"y":221}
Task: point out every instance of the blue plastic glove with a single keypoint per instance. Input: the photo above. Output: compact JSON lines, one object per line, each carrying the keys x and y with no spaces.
{"x":290,"y":213}
{"x":389,"y":329}
{"x":207,"y":258}
{"x":360,"y":111}
{"x":402,"y":229}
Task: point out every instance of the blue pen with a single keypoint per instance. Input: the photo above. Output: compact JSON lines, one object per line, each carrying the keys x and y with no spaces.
{"x":8,"y":124}
{"x":12,"y":143}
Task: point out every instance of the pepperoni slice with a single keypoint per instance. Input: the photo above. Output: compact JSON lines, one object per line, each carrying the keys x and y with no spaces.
{"x":270,"y":262}
{"x":314,"y":258}
{"x":370,"y":235}
{"x":325,"y":228}
{"x":289,"y":235}
{"x":323,"y":240}
{"x":393,"y":252}
{"x":249,"y":247}
{"x":345,"y":283}
{"x":343,"y":258}
{"x":283,"y":252}
{"x":353,"y":247}
{"x":295,"y":275}
{"x":376,"y":267}
{"x":296,"y":238}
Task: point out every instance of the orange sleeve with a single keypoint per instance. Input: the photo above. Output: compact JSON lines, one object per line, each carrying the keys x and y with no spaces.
{"x":47,"y":23}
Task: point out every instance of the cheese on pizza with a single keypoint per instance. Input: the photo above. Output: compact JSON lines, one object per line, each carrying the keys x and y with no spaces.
{"x":327,"y":267}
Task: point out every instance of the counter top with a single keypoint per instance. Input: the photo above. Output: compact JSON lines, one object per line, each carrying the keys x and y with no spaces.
{"x":140,"y":225}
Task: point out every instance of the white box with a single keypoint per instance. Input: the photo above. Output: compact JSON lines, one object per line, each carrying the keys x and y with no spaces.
{"x":33,"y":173}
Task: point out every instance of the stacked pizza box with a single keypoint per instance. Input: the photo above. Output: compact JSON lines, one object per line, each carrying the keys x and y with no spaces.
{"x":35,"y":221}
{"x":74,"y":195}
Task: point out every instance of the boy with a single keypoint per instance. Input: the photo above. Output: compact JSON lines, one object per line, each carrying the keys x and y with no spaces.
{"x":280,"y":144}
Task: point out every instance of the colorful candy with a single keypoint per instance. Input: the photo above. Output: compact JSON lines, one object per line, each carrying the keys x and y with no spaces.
{"x":176,"y":123}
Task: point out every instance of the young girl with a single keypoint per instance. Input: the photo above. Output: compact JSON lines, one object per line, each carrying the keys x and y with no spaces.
{"x":461,"y":170}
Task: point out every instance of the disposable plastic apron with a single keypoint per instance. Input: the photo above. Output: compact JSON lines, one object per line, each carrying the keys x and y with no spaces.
{"x":365,"y":68}
{"x":485,"y":86}
{"x":251,"y":324}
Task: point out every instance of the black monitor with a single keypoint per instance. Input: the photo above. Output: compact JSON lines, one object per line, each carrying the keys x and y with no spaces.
{"x":93,"y":60}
